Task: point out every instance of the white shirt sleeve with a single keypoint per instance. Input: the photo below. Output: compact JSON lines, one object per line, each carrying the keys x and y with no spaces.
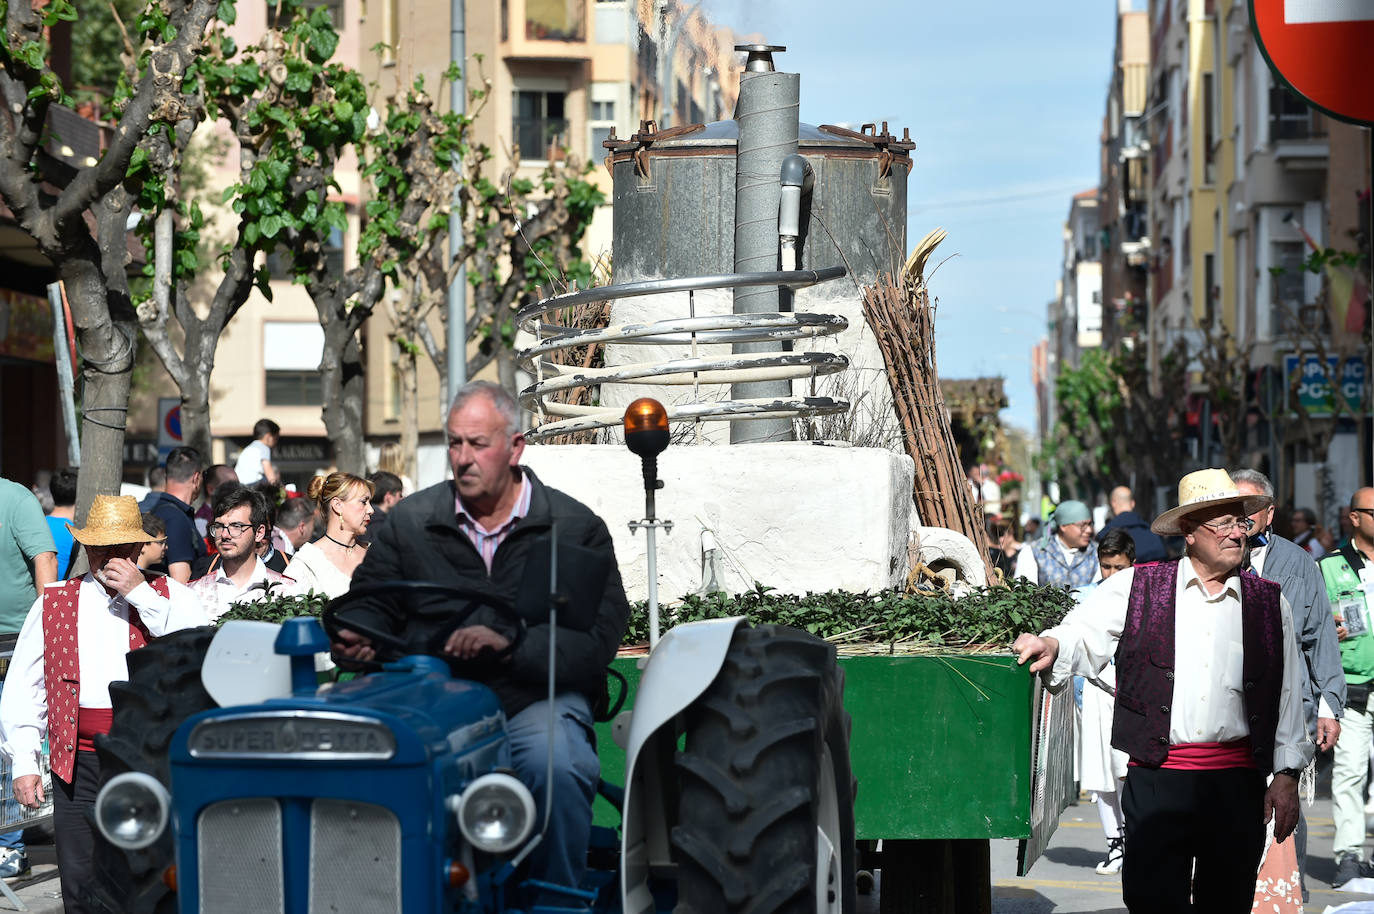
{"x":1026,"y":566}
{"x":1088,"y":635}
{"x":24,"y":701}
{"x":1293,"y":747}
{"x":181,"y":608}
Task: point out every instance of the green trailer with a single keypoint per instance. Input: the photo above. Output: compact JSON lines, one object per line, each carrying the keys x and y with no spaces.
{"x":950,"y":751}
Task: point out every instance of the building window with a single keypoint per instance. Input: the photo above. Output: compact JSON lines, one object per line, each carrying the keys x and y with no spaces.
{"x":1290,"y":118}
{"x":601,"y":123}
{"x":294,"y":388}
{"x":555,"y":20}
{"x":279,"y":263}
{"x":539,"y":123}
{"x":1287,"y":284}
{"x":291,"y":353}
{"x":1209,"y":129}
{"x":335,"y":8}
{"x":1209,"y":289}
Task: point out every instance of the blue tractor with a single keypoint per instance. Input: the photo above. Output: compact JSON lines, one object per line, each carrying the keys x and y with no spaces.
{"x":235,"y":784}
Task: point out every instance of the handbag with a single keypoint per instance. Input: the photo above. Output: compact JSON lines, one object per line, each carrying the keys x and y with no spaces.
{"x":1357,"y":696}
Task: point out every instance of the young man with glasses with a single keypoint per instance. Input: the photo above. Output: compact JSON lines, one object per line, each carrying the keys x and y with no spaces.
{"x":1349,"y":578}
{"x":239,"y":574}
{"x":1208,"y":703}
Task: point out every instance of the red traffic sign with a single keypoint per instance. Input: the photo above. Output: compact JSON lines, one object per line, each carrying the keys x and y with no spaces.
{"x":1321,"y":50}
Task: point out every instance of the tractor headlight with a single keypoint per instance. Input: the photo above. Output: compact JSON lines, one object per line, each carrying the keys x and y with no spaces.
{"x":496,"y":813}
{"x":131,"y":810}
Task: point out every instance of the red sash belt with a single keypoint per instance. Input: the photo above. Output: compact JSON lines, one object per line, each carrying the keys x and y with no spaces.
{"x":89,"y":722}
{"x":1209,"y":756}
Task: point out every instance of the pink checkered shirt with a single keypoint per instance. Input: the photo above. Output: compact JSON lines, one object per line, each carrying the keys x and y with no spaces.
{"x":487,"y":541}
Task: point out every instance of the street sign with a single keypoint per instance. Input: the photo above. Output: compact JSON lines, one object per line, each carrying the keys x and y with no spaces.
{"x":1320,"y":49}
{"x":1314,"y":390}
{"x":168,"y":426}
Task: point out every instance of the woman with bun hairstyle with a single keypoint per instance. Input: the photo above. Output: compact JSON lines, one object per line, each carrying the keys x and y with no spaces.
{"x":326,"y":566}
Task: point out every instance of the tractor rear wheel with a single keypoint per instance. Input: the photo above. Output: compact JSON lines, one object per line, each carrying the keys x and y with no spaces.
{"x":766,"y":811}
{"x":163,"y":690}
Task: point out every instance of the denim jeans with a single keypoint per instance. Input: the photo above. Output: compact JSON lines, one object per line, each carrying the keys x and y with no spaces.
{"x":13,"y":840}
{"x":561,"y":857}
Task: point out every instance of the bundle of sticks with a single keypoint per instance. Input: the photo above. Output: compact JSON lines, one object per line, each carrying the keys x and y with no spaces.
{"x":903,"y":321}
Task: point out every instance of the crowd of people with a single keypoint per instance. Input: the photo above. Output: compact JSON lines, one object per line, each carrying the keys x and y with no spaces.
{"x":208,"y":537}
{"x":1219,"y":659}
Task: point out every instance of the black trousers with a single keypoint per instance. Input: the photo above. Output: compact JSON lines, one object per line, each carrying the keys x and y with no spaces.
{"x":73,"y":831}
{"x":1193,"y":840}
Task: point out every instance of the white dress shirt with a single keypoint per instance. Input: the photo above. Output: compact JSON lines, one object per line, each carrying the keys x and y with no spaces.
{"x":1028,"y":568}
{"x":102,"y":643}
{"x":217,"y":591}
{"x":1209,"y":653}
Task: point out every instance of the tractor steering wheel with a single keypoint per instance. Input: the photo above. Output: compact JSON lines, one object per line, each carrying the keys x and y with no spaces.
{"x":429,"y":629}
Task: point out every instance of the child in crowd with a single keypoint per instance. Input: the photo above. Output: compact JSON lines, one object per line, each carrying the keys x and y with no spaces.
{"x":154,"y":552}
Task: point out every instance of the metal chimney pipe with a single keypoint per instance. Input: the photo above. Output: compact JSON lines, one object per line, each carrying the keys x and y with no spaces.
{"x":767,"y":114}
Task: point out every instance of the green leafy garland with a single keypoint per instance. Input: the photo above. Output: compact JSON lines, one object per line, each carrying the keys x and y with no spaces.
{"x":989,"y":617}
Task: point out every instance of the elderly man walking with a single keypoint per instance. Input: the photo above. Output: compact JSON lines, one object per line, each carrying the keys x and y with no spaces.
{"x":1208,"y":703}
{"x":1068,"y":556}
{"x":72,"y":646}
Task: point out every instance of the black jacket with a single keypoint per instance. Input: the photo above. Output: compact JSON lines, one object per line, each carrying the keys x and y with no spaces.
{"x":421,"y":541}
{"x":1148,"y":545}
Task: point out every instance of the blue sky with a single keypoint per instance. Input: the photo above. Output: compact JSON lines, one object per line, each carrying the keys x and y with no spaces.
{"x":1005,"y":103}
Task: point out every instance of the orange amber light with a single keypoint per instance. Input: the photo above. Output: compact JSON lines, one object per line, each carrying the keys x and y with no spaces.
{"x":646,"y":415}
{"x":458,"y":875}
{"x":169,"y":877}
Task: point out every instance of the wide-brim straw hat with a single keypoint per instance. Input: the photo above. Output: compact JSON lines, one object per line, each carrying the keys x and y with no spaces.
{"x":113,"y":521}
{"x":1206,"y":489}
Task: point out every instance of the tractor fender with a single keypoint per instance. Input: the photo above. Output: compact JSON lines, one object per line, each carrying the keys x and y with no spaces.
{"x":679,"y":670}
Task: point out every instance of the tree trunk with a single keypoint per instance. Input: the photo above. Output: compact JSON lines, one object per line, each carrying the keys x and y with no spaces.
{"x":407,"y":371}
{"x":105,"y":336}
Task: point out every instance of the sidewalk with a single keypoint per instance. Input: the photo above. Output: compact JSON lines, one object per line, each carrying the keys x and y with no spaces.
{"x":39,"y":892}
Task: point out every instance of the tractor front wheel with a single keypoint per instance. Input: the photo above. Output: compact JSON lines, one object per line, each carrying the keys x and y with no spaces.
{"x":766,"y":811}
{"x":163,"y":690}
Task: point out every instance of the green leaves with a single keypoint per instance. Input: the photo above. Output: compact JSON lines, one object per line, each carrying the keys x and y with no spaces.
{"x":992,"y":615}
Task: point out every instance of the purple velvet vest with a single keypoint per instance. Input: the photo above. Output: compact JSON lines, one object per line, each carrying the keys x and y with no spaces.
{"x":1145,"y":665}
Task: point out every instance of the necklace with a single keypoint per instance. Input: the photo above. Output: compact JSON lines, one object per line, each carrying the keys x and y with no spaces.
{"x":346,"y":547}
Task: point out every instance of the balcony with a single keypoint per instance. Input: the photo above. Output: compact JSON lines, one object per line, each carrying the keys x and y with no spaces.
{"x":555,"y":20}
{"x":1296,"y":132}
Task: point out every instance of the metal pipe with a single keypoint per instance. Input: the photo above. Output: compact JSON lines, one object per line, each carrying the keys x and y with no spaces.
{"x":767,"y":113}
{"x":797,"y":179}
{"x":65,"y":384}
{"x":457,"y":291}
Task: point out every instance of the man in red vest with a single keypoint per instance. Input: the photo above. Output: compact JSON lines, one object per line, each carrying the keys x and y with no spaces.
{"x":1208,"y":703}
{"x":72,"y":646}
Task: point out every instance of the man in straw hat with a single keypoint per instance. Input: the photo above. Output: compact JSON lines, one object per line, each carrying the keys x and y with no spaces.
{"x":1208,"y":703}
{"x":72,"y":646}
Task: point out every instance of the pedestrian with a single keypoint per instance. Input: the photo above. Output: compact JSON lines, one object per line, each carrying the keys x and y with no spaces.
{"x":1149,"y":547}
{"x":1349,"y":577}
{"x":1068,"y":556}
{"x":219,"y":474}
{"x":1102,"y":768}
{"x":1208,"y":703}
{"x":391,"y":460}
{"x":326,"y":566}
{"x":255,"y":460}
{"x":387,"y":491}
{"x":295,"y":523}
{"x":272,"y":548}
{"x":1007,"y":547}
{"x":62,"y":485}
{"x":1307,"y":533}
{"x":185,"y":547}
{"x":1323,"y":697}
{"x":240,"y":575}
{"x":155,"y":550}
{"x":484,"y":531}
{"x":72,"y":646}
{"x":28,"y":563}
{"x":157,"y":478}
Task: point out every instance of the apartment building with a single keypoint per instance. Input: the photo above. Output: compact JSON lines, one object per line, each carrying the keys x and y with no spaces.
{"x":1244,"y":180}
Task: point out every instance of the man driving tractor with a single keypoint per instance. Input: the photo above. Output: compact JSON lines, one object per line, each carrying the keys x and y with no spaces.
{"x":490,"y":530}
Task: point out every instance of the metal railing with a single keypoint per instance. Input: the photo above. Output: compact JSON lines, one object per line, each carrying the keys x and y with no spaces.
{"x":693,"y":330}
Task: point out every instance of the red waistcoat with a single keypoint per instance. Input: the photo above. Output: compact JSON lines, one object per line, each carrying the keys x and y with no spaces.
{"x":62,"y":669}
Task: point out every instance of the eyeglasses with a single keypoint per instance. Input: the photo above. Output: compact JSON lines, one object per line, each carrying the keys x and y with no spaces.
{"x":1245,"y":525}
{"x":1369,"y":511}
{"x":1079,"y":523}
{"x":234,"y":529}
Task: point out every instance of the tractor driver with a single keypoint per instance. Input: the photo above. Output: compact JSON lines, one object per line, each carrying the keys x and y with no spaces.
{"x":477,"y":532}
